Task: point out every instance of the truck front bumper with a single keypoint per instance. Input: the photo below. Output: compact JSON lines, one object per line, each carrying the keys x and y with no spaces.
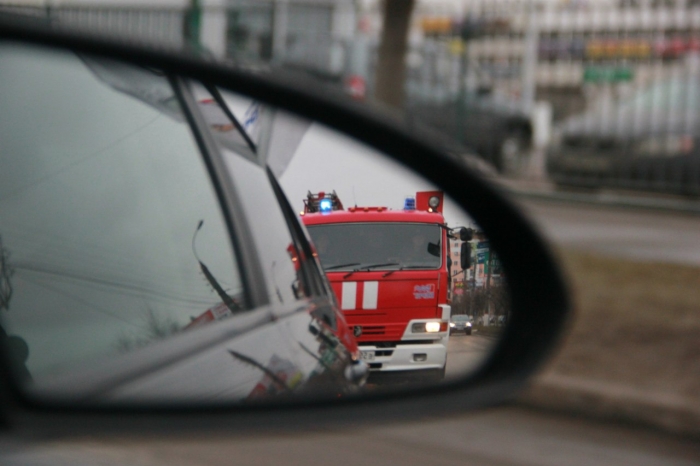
{"x":405,"y":357}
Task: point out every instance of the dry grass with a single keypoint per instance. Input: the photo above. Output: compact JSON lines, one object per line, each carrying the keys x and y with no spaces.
{"x":635,"y":323}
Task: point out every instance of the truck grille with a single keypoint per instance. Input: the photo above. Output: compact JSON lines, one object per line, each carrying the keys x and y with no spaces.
{"x":373,"y":330}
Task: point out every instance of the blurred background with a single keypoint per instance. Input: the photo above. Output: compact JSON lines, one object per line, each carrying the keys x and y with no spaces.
{"x":586,"y":111}
{"x":574,"y":94}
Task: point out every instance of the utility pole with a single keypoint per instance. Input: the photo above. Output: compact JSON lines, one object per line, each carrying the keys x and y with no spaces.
{"x":489,"y":265}
{"x":529,"y":63}
{"x":471,"y":28}
{"x":462,"y":94}
{"x":473,"y":281}
{"x":192,"y":26}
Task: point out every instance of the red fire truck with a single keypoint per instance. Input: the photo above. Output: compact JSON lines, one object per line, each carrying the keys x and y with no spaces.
{"x":390,"y":272}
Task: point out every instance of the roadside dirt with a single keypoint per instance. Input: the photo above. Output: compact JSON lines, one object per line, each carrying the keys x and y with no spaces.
{"x":636,"y":325}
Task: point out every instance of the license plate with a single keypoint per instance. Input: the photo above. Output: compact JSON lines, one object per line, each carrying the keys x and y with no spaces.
{"x":367,"y":355}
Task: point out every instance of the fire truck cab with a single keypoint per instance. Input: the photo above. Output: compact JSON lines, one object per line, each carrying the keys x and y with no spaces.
{"x":390,"y":273}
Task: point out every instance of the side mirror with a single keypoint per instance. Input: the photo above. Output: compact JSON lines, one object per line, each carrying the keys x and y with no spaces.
{"x":465,"y":256}
{"x":122,"y":326}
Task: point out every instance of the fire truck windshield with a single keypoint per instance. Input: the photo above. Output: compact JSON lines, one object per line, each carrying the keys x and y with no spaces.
{"x":355,"y":246}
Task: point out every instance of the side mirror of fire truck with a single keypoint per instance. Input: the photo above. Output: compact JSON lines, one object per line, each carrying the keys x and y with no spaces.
{"x":465,"y":256}
{"x":466,"y":234}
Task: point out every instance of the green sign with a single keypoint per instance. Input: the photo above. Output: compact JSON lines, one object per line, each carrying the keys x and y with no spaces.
{"x":607,"y":74}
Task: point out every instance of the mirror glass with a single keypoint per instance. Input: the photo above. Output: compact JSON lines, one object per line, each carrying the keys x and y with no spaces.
{"x":124,"y":280}
{"x":387,"y":265}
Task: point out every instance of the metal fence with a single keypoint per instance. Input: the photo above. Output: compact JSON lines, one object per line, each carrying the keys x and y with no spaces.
{"x":622,"y":79}
{"x":163,"y":27}
{"x":299,"y":34}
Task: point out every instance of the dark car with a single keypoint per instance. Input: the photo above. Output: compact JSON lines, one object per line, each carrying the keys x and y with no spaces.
{"x":486,"y":122}
{"x":461,"y":323}
{"x":650,"y":140}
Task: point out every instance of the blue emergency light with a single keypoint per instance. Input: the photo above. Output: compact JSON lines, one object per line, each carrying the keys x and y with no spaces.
{"x":409,"y":204}
{"x":325,"y":206}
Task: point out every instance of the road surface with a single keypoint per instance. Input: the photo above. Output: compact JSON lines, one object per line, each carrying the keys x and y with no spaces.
{"x":506,"y":436}
{"x":466,"y":352}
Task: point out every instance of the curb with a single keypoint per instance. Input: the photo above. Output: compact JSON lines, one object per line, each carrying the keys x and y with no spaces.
{"x":636,"y":200}
{"x":660,"y":410}
{"x":605,"y":401}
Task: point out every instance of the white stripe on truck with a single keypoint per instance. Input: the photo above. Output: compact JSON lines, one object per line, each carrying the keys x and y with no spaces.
{"x":369,"y":298}
{"x":349,"y":295}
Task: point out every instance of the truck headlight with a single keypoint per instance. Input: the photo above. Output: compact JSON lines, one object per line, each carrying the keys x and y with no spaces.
{"x":432,"y":327}
{"x":452,"y":324}
{"x":429,"y":327}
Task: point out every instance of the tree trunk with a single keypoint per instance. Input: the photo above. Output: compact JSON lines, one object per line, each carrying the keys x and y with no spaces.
{"x":391,"y":62}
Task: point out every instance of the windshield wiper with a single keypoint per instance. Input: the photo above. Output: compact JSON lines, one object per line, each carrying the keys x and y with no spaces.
{"x":341,"y":266}
{"x":405,"y":267}
{"x":369,"y":267}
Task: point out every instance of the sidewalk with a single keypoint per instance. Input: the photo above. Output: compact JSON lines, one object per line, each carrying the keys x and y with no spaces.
{"x":631,"y":352}
{"x":612,"y":401}
{"x":546,"y":190}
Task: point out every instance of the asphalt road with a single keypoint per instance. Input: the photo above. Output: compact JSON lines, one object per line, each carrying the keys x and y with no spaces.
{"x":506,"y":436}
{"x":466,"y":352}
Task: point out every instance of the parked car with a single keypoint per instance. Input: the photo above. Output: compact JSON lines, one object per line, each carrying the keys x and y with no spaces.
{"x":649,"y":140}
{"x":486,"y":122}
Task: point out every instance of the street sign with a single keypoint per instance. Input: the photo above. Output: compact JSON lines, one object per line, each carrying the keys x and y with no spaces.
{"x":607,"y":74}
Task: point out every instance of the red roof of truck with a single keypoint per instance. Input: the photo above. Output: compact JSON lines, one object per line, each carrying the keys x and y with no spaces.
{"x":372,"y":214}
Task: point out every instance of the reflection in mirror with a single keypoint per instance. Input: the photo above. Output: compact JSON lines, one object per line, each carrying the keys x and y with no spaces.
{"x":122,"y":282}
{"x":413,"y":274}
{"x":111,"y":235}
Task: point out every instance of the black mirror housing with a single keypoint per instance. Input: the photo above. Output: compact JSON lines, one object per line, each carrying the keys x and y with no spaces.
{"x":540,"y":304}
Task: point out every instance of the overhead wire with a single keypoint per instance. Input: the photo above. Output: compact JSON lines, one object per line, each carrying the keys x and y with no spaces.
{"x":70,"y":166}
{"x":92,"y":306}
